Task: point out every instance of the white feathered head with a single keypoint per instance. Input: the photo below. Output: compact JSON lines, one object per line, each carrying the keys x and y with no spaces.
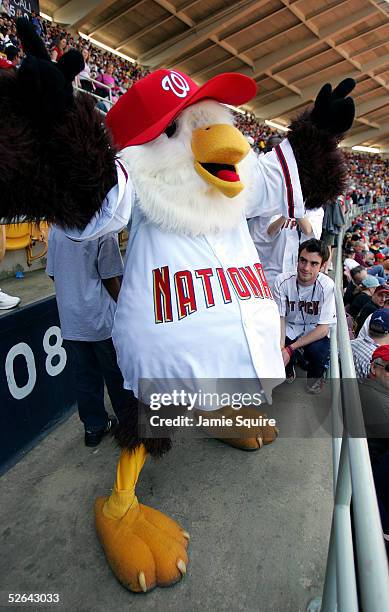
{"x":182,"y":150}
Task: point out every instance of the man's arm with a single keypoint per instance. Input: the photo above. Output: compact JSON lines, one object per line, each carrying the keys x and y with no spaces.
{"x":318,"y":333}
{"x":276,"y":225}
{"x":305,"y":225}
{"x":113,"y":286}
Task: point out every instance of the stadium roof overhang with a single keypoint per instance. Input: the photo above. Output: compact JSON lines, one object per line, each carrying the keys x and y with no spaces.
{"x":290,"y":47}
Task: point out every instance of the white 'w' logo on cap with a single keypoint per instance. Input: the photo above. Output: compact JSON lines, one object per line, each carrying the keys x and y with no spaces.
{"x":176,"y":83}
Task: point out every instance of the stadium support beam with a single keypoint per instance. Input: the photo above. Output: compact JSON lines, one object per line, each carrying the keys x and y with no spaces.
{"x":119,"y":15}
{"x":362,"y":137}
{"x":275,"y":109}
{"x":75,"y":12}
{"x":198,"y":32}
{"x":371,"y":105}
{"x":289,"y":51}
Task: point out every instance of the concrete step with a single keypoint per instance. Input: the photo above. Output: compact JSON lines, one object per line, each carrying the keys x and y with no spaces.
{"x":259,"y":522}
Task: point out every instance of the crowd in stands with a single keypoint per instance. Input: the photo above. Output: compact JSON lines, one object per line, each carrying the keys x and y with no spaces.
{"x":366,"y":298}
{"x":366,"y":265}
{"x":368,"y":174}
{"x":259,"y":132}
{"x":108,"y":68}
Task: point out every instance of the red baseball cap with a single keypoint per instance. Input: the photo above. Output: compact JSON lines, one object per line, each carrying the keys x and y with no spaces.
{"x":382,"y":352}
{"x":147,"y":108}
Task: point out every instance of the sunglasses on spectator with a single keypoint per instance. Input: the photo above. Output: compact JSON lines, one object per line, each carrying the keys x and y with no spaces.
{"x":386,"y":367}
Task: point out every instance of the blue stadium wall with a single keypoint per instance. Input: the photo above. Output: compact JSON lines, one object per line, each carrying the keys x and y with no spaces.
{"x":36,"y":383}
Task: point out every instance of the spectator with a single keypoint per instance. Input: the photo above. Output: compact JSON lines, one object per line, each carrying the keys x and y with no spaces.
{"x":372,"y":268}
{"x":359,"y":250}
{"x":12,"y":54}
{"x":306,"y":303}
{"x":86,"y":301}
{"x":277,"y":240}
{"x":365,"y":327}
{"x":108,"y":80}
{"x":378,"y":300}
{"x":4,"y":7}
{"x":358,"y":274}
{"x":59,"y":48}
{"x":36,"y":22}
{"x":363,"y":297}
{"x":363,"y":348}
{"x":374,"y":394}
{"x":349,"y":262}
{"x":85,"y":74}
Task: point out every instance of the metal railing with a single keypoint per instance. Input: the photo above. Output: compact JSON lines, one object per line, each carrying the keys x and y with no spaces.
{"x":353,"y":481}
{"x":107,"y":100}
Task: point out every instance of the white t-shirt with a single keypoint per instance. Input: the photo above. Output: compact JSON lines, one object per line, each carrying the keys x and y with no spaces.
{"x":304,"y":307}
{"x":279,"y":252}
{"x":349,"y":263}
{"x":198,"y":307}
{"x":364,"y":331}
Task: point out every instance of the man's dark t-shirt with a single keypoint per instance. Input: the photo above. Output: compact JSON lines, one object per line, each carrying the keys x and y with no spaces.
{"x":358,"y":303}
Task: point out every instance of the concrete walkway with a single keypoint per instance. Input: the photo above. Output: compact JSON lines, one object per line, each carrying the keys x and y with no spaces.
{"x":259,"y":522}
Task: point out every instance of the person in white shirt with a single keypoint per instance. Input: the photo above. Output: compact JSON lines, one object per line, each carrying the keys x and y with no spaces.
{"x":277,"y":239}
{"x":306,"y":303}
{"x":349,"y":262}
{"x":364,"y":331}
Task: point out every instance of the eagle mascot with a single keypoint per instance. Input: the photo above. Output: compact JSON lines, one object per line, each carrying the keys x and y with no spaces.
{"x":194,"y":302}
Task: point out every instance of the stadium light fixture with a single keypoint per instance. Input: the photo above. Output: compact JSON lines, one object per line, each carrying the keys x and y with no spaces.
{"x":47,"y":17}
{"x":106,"y":48}
{"x":366,"y":149}
{"x":278,"y":126}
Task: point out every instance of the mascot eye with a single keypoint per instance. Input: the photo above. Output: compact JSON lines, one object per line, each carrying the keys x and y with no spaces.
{"x":171,"y":129}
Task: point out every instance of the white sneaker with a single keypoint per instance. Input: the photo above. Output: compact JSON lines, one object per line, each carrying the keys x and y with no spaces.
{"x":8,"y":301}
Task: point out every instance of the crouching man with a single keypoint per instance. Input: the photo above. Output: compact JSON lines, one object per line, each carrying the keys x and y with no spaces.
{"x":306,"y":303}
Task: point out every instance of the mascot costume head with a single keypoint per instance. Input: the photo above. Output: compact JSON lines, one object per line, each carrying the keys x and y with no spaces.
{"x":194,"y":303}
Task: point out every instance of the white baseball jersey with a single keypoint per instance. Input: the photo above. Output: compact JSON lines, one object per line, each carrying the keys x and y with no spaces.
{"x":304,"y":307}
{"x":279,"y":252}
{"x":198,"y":307}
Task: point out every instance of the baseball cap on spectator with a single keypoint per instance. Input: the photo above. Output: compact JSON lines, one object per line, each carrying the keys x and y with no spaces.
{"x":379,"y":321}
{"x":382,"y":289}
{"x":350,"y":250}
{"x":370,"y":281}
{"x":382,"y":352}
{"x":380,"y":256}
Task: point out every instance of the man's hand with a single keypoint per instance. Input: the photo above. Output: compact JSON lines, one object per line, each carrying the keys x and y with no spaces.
{"x":286,"y":353}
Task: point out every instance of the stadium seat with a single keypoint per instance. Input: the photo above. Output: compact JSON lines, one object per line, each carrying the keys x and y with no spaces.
{"x":24,"y":236}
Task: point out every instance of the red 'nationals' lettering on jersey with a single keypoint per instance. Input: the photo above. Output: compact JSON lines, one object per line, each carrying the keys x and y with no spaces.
{"x":246,"y":282}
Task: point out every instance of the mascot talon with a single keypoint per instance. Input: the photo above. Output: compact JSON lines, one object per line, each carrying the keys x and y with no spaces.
{"x":144,"y":548}
{"x":252,"y":428}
